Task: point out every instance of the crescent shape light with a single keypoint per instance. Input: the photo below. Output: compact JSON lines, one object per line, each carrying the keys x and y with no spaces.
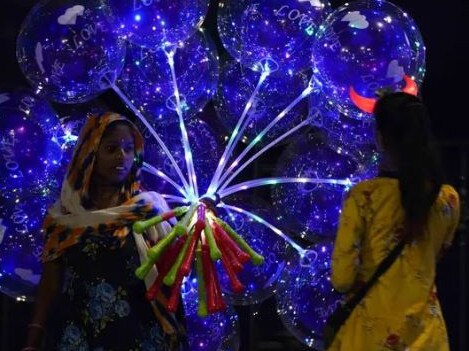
{"x":363,"y":103}
{"x":368,"y":104}
{"x":410,"y":86}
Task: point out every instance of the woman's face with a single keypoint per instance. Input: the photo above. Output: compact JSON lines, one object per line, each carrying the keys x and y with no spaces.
{"x":115,"y":156}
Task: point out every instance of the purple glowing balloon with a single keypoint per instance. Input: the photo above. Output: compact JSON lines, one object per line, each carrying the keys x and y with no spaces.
{"x":308,"y":208}
{"x":305,"y":296}
{"x":147,"y":80}
{"x":66,"y":50}
{"x":158,"y":23}
{"x":235,"y":88}
{"x":364,"y":46}
{"x":21,"y":243}
{"x":215,"y":332}
{"x":205,"y":146}
{"x":349,"y":136}
{"x":339,"y":127}
{"x":29,"y":144}
{"x":259,"y":281}
{"x":277,"y":32}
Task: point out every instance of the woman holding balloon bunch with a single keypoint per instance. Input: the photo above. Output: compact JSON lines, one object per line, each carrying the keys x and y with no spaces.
{"x":89,"y":294}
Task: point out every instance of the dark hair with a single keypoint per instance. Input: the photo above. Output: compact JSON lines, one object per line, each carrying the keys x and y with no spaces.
{"x":403,"y":121}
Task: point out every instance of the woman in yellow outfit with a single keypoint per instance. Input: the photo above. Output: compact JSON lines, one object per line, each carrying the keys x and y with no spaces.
{"x":407,"y":201}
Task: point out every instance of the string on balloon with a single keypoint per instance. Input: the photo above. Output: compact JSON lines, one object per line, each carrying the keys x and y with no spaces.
{"x":153,"y":170}
{"x":306,"y":122}
{"x":307,"y":256}
{"x":259,"y":137}
{"x":282,"y":180}
{"x":238,"y":130}
{"x":142,"y":118}
{"x":170,"y":52}
{"x":175,"y":199}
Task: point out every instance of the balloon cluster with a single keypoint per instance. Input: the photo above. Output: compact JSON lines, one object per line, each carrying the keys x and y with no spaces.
{"x":300,"y":71}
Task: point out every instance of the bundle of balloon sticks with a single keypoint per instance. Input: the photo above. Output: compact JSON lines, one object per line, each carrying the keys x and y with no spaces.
{"x":202,"y":237}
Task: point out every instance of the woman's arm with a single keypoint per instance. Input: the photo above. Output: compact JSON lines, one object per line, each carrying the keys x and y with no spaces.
{"x":345,"y":258}
{"x":48,"y":290}
{"x":452,"y":213}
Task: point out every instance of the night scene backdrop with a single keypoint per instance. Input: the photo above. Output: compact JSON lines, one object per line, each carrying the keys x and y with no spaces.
{"x":443,"y":26}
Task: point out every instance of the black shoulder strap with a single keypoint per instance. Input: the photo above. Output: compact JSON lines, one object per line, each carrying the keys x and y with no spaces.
{"x":383,"y":267}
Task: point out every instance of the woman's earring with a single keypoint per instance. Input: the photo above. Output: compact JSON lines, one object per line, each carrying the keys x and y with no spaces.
{"x":138,"y":161}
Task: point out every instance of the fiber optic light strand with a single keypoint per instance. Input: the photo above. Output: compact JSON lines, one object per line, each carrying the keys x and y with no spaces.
{"x":259,"y":137}
{"x":267,"y":224}
{"x":281,"y":180}
{"x":150,"y":128}
{"x":185,"y":139}
{"x":174,"y":198}
{"x":153,"y":170}
{"x":254,"y":157}
{"x":235,"y":135}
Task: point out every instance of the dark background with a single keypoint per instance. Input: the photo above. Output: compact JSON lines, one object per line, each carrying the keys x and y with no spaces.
{"x":444,"y":29}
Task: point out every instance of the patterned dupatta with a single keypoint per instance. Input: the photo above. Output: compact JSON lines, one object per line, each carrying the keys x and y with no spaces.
{"x":68,"y":220}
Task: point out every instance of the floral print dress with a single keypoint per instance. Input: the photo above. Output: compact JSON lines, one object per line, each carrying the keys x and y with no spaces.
{"x":103,"y":305}
{"x":401,"y":311}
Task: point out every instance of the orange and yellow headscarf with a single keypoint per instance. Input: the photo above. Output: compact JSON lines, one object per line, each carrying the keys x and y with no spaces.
{"x":68,"y":219}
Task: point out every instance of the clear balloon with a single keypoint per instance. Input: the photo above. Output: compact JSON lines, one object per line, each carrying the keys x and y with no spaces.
{"x":311,"y":209}
{"x":29,"y":144}
{"x":147,"y":80}
{"x":158,"y":23}
{"x":215,"y":332}
{"x":305,"y":296}
{"x":337,"y":126}
{"x":345,"y":135}
{"x":259,"y":281}
{"x":66,"y":49}
{"x":364,"y":46}
{"x":277,"y":32}
{"x":205,"y":146}
{"x":21,"y":243}
{"x":30,"y":105}
{"x":236,"y":86}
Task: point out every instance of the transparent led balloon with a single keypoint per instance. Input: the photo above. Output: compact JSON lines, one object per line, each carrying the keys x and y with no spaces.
{"x":29,"y":145}
{"x":311,"y":208}
{"x":338,"y":127}
{"x":349,"y":136}
{"x":21,"y":243}
{"x":237,"y":83}
{"x":146,"y":78}
{"x":259,"y":281}
{"x":277,"y":33}
{"x":364,"y":46}
{"x":157,"y":23}
{"x":217,"y":332}
{"x":30,"y":105}
{"x":65,"y":49}
{"x":206,"y":149}
{"x":305,"y":296}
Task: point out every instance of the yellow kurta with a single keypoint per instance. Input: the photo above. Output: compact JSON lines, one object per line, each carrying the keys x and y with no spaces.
{"x":401,"y":311}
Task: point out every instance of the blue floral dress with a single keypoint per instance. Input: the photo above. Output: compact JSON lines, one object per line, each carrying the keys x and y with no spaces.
{"x":103,"y":305}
